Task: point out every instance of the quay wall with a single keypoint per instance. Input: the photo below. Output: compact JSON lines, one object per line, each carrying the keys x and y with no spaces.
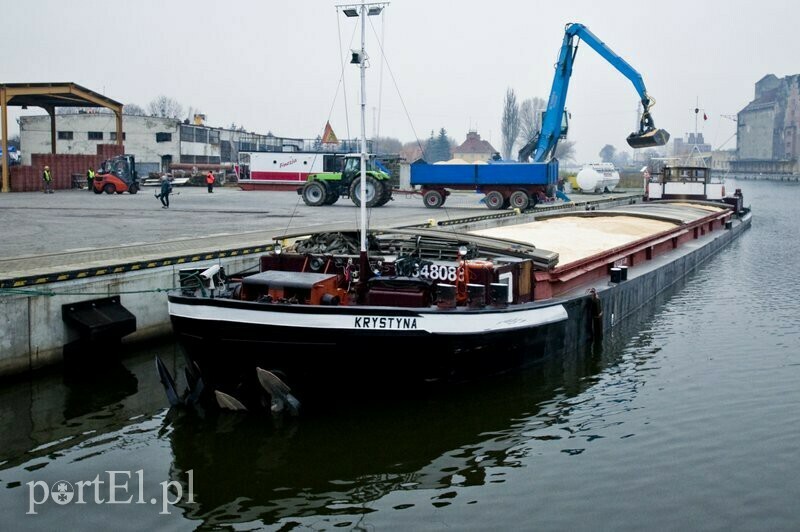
{"x":33,"y":333}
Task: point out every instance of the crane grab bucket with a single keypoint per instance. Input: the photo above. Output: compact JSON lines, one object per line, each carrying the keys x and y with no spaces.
{"x":648,"y":139}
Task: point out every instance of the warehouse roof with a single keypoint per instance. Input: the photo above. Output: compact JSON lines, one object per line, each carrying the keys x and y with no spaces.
{"x":65,"y":94}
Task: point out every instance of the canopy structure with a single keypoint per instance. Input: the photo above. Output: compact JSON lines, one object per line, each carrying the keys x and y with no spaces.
{"x":49,"y":96}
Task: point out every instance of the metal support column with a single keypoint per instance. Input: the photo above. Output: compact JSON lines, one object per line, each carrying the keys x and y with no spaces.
{"x":4,"y":118}
{"x":118,"y":114}
{"x":51,"y":110}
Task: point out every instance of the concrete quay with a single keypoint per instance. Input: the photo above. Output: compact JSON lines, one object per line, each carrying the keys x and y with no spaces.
{"x":74,"y":246}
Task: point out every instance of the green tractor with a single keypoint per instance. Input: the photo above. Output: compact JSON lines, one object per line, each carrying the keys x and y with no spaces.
{"x":327,"y":187}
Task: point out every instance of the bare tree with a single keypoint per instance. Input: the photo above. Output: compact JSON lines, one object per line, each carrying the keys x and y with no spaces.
{"x":386,"y":145}
{"x":165,"y":107}
{"x":133,"y":110}
{"x":622,"y":159}
{"x":530,"y":118}
{"x":607,"y":153}
{"x":565,"y":150}
{"x":411,"y":151}
{"x":509,"y":127}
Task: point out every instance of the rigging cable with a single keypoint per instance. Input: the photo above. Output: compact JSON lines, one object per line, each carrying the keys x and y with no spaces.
{"x":380,"y":75}
{"x":330,"y":111}
{"x":341,"y":78}
{"x":394,"y":81}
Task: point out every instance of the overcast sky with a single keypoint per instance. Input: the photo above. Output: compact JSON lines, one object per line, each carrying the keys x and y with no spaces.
{"x":275,"y":66}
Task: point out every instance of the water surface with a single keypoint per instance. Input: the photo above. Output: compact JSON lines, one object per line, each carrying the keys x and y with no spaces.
{"x":685,"y":418}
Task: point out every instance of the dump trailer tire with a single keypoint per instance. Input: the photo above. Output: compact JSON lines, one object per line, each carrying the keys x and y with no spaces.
{"x":314,"y":193}
{"x":494,"y":200}
{"x":373,"y":192}
{"x":520,"y":200}
{"x":433,"y":199}
{"x":109,"y":188}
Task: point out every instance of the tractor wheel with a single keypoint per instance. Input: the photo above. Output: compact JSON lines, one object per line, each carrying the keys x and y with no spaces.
{"x":433,"y":199}
{"x":314,"y":193}
{"x":520,"y":200}
{"x":494,"y":200}
{"x":387,"y":194}
{"x":109,"y":188}
{"x":333,"y":196}
{"x":133,"y":189}
{"x":374,"y":190}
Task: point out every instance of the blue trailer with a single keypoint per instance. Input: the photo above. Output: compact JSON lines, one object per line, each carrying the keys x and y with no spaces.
{"x":518,"y":185}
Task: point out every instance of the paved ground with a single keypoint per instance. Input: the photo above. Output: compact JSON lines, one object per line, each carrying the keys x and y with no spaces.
{"x":77,"y":227}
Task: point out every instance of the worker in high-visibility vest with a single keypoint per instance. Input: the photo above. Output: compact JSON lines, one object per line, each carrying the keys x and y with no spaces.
{"x":90,"y":178}
{"x":47,"y":177}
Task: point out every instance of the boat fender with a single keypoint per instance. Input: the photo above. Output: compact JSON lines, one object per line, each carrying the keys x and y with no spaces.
{"x":596,"y":308}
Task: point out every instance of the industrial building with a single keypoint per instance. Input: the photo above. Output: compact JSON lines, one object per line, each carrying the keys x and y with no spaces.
{"x":768,"y":140}
{"x":160,"y":144}
{"x":694,"y":144}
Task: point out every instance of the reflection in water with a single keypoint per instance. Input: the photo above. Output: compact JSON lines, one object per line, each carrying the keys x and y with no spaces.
{"x":91,"y":387}
{"x":54,"y":411}
{"x":335,"y":462}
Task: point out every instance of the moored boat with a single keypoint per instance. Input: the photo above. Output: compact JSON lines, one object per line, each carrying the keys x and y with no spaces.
{"x":434,"y":305}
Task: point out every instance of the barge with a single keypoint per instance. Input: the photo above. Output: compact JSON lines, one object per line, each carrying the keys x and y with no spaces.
{"x":432,"y":305}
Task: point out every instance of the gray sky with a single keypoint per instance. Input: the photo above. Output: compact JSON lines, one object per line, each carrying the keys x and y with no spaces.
{"x":275,"y":66}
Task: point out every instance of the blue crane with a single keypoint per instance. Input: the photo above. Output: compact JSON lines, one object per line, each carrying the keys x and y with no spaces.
{"x":555,"y":123}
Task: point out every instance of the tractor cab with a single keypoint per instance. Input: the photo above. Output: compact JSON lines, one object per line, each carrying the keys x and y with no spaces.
{"x":117,"y":175}
{"x":351,"y":167}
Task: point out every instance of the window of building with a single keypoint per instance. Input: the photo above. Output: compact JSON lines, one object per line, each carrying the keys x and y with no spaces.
{"x":201,"y":135}
{"x":200,"y":159}
{"x":187,"y":134}
{"x":95,"y":135}
{"x":113,"y":135}
{"x":213,"y":137}
{"x":65,"y":135}
{"x":163,"y":137}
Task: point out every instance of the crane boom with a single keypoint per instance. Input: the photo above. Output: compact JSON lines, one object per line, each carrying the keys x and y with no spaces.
{"x":554,"y":123}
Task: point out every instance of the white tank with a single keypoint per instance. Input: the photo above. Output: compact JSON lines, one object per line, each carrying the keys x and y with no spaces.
{"x":597,"y":177}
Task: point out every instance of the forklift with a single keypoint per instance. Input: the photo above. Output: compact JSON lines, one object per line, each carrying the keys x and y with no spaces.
{"x":117,"y":175}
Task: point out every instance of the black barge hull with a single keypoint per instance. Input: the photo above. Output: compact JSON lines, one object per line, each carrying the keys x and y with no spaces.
{"x":381,"y":346}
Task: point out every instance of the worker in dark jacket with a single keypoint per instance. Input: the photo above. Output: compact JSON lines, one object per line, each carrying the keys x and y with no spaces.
{"x":166,"y":188}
